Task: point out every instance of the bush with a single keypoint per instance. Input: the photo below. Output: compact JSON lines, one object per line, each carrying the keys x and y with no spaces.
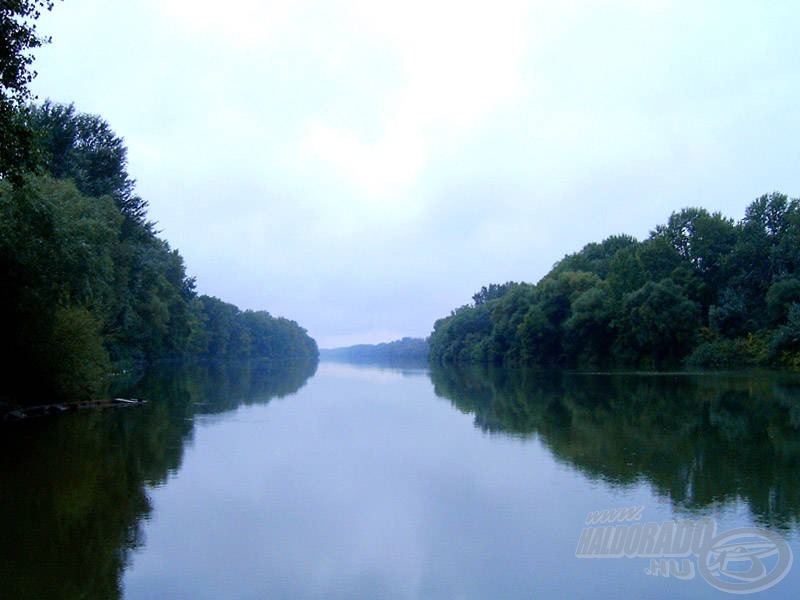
{"x":74,"y":361}
{"x":722,"y":353}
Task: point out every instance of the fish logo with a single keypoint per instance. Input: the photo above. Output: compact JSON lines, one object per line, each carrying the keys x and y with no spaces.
{"x":745,"y":560}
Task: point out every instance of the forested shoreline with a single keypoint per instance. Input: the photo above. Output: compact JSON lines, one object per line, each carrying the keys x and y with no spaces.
{"x":701,"y":290}
{"x":87,"y":284}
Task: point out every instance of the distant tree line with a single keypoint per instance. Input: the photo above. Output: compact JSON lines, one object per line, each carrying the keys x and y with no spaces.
{"x":701,"y":290}
{"x":399,"y":351}
{"x":86,"y":281}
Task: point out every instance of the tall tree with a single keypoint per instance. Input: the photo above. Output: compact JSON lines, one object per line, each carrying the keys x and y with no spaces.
{"x":18,"y":38}
{"x":56,"y":288}
{"x":84,"y":148}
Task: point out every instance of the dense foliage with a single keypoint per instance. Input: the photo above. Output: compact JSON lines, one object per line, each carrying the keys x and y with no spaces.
{"x":221,"y":330}
{"x":701,"y":289}
{"x":18,"y":37}
{"x":85,"y":281}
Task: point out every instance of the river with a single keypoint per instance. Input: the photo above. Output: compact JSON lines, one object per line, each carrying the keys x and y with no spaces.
{"x":253,"y":480}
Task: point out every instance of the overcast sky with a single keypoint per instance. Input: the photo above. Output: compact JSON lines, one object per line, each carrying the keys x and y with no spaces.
{"x":363,"y":167}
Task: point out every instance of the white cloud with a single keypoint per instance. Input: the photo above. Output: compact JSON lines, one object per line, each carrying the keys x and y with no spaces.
{"x":244,"y":24}
{"x":395,"y":160}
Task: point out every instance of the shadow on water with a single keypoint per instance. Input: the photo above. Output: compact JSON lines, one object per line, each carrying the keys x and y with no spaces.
{"x":700,"y":440}
{"x":73,"y":488}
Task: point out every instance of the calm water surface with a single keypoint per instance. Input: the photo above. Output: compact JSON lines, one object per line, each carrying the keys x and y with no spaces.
{"x":342,"y":481}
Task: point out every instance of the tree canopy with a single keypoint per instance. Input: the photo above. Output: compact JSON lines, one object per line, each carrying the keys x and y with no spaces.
{"x":701,"y":289}
{"x":84,"y":149}
{"x":86,"y":282}
{"x":18,"y":38}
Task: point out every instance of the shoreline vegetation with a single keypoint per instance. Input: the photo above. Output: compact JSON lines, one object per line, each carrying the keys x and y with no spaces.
{"x":701,"y":291}
{"x":87,"y":286}
{"x":86,"y":283}
{"x":8,"y":414}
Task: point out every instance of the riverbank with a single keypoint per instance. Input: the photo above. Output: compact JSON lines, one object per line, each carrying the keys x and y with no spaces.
{"x":11,"y":414}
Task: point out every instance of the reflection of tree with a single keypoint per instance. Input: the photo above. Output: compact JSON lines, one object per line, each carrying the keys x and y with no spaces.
{"x":700,"y":440}
{"x":210,"y":387}
{"x":73,"y":488}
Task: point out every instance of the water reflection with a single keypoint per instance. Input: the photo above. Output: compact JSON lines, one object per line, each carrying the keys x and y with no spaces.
{"x":73,"y":488}
{"x":700,"y":440}
{"x":365,"y":484}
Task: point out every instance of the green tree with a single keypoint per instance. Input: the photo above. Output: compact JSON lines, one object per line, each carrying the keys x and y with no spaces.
{"x":18,"y":38}
{"x":457,"y":338}
{"x":786,"y":340}
{"x":704,"y":241}
{"x":780,"y":298}
{"x":220,"y":318}
{"x":660,"y":322}
{"x":85,"y":279}
{"x":493,"y":292}
{"x":730,"y":317}
{"x":765,"y":246}
{"x":83,"y":148}
{"x":588,"y":333}
{"x":221,"y":330}
{"x":658,"y":258}
{"x":596,"y":258}
{"x":539,"y":339}
{"x":700,"y":288}
{"x":507,"y":315}
{"x":149,"y":314}
{"x":56,"y":288}
{"x":625,"y":271}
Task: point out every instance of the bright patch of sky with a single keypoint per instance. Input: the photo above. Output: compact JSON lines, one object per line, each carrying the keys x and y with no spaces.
{"x":363,"y":167}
